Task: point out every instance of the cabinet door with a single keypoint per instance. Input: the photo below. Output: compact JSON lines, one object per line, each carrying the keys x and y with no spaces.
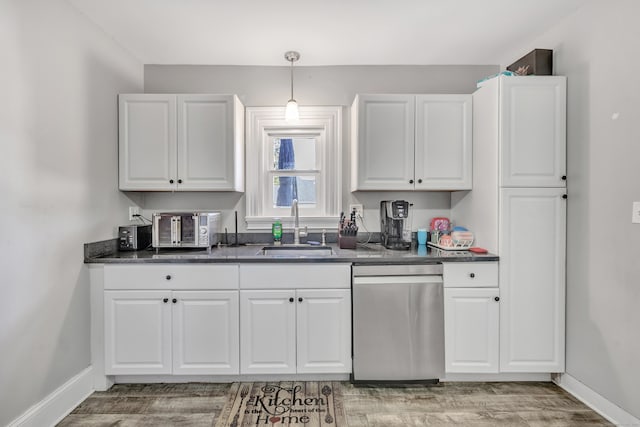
{"x":383,"y":142}
{"x":206,"y":332}
{"x":206,"y":142}
{"x":443,"y":142}
{"x":147,"y":142}
{"x":324,"y":330}
{"x":532,"y":279}
{"x":267,"y":332}
{"x":137,"y":332}
{"x":533,"y":131}
{"x":471,"y":330}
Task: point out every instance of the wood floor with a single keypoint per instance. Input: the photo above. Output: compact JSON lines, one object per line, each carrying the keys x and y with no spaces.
{"x":463,"y":404}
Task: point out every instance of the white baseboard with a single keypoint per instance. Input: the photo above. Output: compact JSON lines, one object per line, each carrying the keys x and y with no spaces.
{"x":57,"y":405}
{"x":503,"y":376}
{"x":595,"y":401}
{"x":147,"y":379}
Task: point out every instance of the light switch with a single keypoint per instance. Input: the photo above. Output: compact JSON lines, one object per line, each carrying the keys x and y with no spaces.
{"x":635,"y":216}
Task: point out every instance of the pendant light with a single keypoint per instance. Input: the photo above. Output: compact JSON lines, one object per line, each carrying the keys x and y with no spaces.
{"x":291,"y":112}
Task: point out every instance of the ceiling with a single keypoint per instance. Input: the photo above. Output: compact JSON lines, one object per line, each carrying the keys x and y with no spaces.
{"x":325,"y":32}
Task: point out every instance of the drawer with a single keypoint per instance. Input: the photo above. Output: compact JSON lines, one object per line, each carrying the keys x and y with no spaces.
{"x":171,"y":276}
{"x":470,"y":274}
{"x":295,"y":276}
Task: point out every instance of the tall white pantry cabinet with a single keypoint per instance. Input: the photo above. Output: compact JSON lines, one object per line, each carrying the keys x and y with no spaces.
{"x":518,"y":210}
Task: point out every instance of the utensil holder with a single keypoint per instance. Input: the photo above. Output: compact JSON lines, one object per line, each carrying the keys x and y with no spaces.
{"x":347,"y":242}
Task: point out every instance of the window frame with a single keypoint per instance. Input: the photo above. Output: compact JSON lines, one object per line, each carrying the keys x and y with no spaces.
{"x":266,"y":123}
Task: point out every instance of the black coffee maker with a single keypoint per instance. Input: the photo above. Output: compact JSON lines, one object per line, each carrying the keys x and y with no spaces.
{"x":395,"y":228}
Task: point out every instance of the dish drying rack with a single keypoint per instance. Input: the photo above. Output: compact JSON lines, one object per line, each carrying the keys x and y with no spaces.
{"x":460,"y":242}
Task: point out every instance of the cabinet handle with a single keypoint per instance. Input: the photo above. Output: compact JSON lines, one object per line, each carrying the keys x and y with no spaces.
{"x":174,"y":300}
{"x":168,"y":275}
{"x":165,"y":300}
{"x":410,"y":181}
{"x":179,"y":181}
{"x":291,"y":299}
{"x":497,"y":298}
{"x":300,"y":299}
{"x":420,"y":181}
{"x":472,"y":275}
{"x":564,"y":196}
{"x":170,"y":181}
{"x":564,"y":177}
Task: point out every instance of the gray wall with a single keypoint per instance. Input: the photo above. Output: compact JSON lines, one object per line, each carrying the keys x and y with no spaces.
{"x":336,"y":85}
{"x":597,"y":49}
{"x":58,"y":131}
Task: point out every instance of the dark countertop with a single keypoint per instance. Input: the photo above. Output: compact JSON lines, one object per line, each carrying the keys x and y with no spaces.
{"x":369,"y":254}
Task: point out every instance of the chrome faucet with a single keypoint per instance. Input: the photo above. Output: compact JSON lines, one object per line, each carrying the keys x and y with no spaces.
{"x":297,"y":233}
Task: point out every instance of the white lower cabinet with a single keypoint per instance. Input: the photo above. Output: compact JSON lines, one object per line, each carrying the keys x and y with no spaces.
{"x":171,"y":332}
{"x":295,"y":331}
{"x":471,"y":317}
{"x":206,"y":329}
{"x":471,"y":330}
{"x":137,"y":332}
{"x":532,"y":279}
{"x":323,"y":330}
{"x":268,"y":332}
{"x":295,"y":318}
{"x":171,"y":319}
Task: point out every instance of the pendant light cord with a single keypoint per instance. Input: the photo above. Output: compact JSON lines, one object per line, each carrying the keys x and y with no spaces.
{"x":291,"y":78}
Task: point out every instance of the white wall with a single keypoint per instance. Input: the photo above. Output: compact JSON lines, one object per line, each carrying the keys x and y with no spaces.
{"x":337,"y":85}
{"x":58,"y":132}
{"x":597,"y":49}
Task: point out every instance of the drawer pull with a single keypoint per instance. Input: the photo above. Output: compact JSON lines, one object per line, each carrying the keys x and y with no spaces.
{"x":497,"y":298}
{"x":174,"y":300}
{"x":291,"y":299}
{"x":472,"y":275}
{"x":165,"y":300}
{"x":168,"y":277}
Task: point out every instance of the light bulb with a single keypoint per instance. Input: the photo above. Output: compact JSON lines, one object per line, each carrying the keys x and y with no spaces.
{"x":292,"y":113}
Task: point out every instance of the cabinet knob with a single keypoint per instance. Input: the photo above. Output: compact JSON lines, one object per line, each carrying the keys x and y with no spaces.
{"x":300,"y":299}
{"x":497,"y":298}
{"x":420,"y":181}
{"x":410,"y":181}
{"x":472,"y":275}
{"x":179,"y":181}
{"x":165,"y":300}
{"x":564,"y":177}
{"x":170,"y":181}
{"x":564,"y":196}
{"x":174,"y":300}
{"x":168,"y":277}
{"x":291,"y":299}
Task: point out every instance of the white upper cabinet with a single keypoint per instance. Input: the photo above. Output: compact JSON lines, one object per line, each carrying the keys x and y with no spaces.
{"x":443,"y":151}
{"x":181,"y":142}
{"x":533,"y":131}
{"x":383,"y":128}
{"x":147,"y":142}
{"x":411,"y":142}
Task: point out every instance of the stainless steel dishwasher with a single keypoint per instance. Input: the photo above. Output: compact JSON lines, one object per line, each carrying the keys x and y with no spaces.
{"x":398,"y":323}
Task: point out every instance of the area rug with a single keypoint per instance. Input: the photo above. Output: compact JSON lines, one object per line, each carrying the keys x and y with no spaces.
{"x":286,"y":403}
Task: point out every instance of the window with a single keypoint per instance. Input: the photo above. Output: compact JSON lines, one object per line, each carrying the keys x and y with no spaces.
{"x":287,"y":161}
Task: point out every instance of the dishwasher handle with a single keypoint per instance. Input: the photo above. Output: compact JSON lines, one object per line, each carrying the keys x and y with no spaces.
{"x":399,"y":280}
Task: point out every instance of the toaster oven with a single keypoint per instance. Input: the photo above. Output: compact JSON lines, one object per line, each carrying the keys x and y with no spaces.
{"x":185,"y":229}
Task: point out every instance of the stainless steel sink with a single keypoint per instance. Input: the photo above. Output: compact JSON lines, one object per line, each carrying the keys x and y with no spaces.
{"x":296,"y":251}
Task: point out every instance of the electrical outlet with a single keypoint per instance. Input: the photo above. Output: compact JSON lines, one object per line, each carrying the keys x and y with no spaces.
{"x":134,"y":211}
{"x":359,"y":210}
{"x":635,"y":215}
